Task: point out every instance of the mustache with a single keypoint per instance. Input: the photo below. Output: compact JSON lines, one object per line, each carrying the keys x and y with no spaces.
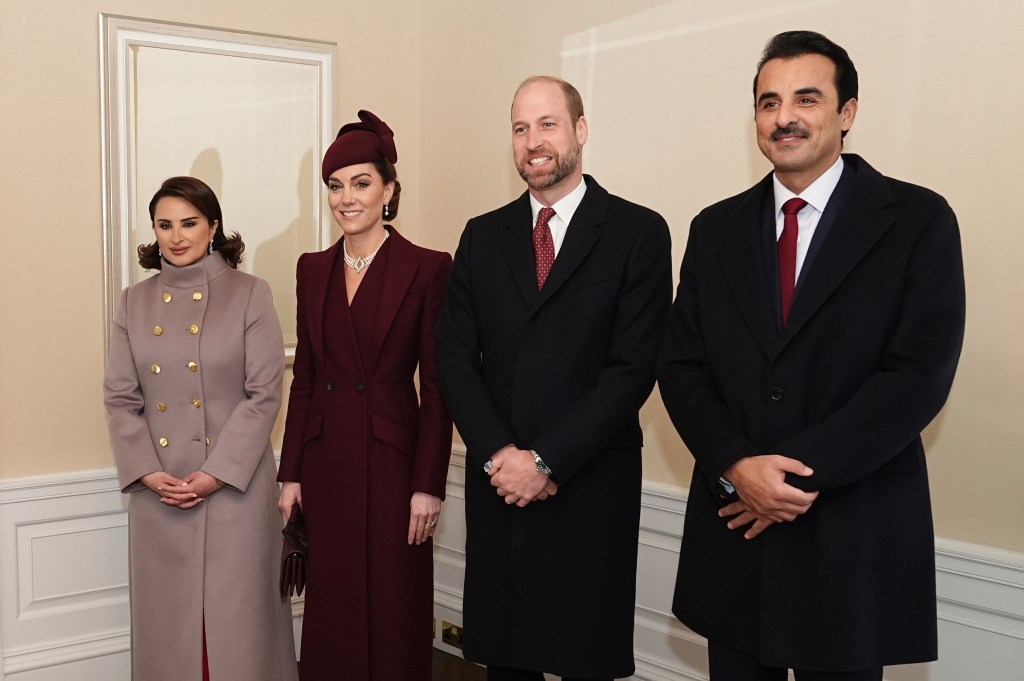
{"x":790,"y":131}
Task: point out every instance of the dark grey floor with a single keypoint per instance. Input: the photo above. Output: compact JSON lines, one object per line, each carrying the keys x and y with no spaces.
{"x":448,"y":667}
{"x":451,"y":668}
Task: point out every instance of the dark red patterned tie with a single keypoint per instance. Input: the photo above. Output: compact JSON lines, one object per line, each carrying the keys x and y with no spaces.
{"x":787,"y":253}
{"x":543,"y":246}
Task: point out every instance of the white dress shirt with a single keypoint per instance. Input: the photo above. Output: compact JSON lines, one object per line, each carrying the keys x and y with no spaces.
{"x":564,"y":210}
{"x":816,"y":196}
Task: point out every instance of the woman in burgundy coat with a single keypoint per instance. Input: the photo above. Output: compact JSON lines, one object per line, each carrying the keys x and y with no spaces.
{"x":365,"y":458}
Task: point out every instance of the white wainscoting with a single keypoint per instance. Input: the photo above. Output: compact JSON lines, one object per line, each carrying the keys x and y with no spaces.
{"x":64,"y":596}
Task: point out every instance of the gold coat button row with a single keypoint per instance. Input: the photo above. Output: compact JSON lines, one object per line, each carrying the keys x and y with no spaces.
{"x":197,"y":296}
{"x":163,"y":442}
{"x":155,"y":368}
{"x":160,"y":406}
{"x":167,"y":296}
{"x":196,"y":402}
{"x":193,"y":329}
{"x":192,"y":366}
{"x":158,"y":330}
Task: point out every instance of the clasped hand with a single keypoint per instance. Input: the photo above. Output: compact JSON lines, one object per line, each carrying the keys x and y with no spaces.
{"x":765,"y":496}
{"x":183,"y":493}
{"x":514,"y":473}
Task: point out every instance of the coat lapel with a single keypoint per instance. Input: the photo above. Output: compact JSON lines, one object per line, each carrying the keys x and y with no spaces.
{"x":738,"y":238}
{"x":584,"y":231}
{"x":402,"y":268}
{"x":518,"y":247}
{"x":859,"y":223}
{"x":317,"y":279}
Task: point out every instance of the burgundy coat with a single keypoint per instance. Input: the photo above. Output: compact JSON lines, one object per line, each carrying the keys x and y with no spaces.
{"x":360,"y":443}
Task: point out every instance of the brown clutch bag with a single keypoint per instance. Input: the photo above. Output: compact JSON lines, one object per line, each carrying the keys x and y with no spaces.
{"x":294,"y":554}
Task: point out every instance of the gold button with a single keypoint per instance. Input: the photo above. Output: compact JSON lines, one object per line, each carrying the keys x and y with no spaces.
{"x":193,"y":329}
{"x":163,"y":442}
{"x":167,"y":296}
{"x":157,"y":330}
{"x":193,"y":367}
{"x":207,"y":440}
{"x":197,"y":296}
{"x":196,"y":402}
{"x":160,"y":406}
{"x":155,"y":368}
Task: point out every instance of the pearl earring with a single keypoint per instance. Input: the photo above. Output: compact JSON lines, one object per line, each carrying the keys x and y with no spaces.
{"x":209,"y":251}
{"x":385,"y":210}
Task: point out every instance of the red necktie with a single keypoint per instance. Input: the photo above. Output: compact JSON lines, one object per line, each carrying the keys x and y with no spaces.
{"x":787,"y":253}
{"x":543,"y":246}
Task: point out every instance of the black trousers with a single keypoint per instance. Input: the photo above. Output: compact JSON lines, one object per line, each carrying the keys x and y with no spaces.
{"x":510,"y":674}
{"x":729,"y":664}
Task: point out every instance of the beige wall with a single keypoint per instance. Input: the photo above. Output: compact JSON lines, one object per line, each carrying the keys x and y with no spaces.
{"x":939,"y":106}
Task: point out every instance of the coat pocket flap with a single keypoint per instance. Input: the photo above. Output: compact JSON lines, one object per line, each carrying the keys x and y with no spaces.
{"x":394,"y":434}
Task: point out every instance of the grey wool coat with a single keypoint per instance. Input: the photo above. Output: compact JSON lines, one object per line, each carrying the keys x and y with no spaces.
{"x":193,"y":382}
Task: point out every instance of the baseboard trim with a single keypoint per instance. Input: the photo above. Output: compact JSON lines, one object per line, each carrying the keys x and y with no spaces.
{"x":980,"y":603}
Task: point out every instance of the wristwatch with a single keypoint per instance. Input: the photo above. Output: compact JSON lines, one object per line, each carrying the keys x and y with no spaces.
{"x":541,"y":466}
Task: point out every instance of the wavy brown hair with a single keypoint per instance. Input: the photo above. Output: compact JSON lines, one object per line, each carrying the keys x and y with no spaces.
{"x":199,"y":195}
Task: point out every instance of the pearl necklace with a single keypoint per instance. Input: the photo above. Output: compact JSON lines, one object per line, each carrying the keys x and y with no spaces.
{"x":360,"y":264}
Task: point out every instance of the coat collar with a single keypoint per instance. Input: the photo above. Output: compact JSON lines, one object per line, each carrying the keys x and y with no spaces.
{"x":402,"y":266}
{"x":584,"y":231}
{"x":199,"y":273}
{"x":860,"y":222}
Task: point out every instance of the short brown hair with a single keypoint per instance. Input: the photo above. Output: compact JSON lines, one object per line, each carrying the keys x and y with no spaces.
{"x":573,"y":100}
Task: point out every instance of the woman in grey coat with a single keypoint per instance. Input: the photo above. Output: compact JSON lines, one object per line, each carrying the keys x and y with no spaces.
{"x":192,"y":389}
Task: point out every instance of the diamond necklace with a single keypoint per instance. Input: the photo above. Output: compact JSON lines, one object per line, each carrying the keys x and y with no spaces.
{"x":360,"y":264}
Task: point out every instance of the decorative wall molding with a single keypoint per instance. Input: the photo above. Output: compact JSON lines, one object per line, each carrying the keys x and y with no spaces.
{"x":64,"y":596}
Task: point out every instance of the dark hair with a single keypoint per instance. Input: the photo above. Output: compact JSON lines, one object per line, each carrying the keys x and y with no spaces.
{"x":573,"y":100}
{"x":198,"y":194}
{"x":387,"y":172}
{"x":798,"y":43}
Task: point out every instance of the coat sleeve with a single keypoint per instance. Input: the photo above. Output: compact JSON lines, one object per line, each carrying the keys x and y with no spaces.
{"x":687,"y":381}
{"x":915,"y":375}
{"x":242,"y":442}
{"x":434,"y":440}
{"x":301,"y":391}
{"x":626,"y":381}
{"x":459,"y":363}
{"x":134,"y":451}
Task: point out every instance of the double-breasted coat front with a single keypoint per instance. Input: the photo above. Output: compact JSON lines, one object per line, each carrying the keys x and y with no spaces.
{"x":361,"y":443}
{"x":193,"y":382}
{"x":863,"y":364}
{"x":563,"y":371}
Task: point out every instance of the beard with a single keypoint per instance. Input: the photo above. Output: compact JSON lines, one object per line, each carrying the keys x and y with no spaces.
{"x":564,"y":167}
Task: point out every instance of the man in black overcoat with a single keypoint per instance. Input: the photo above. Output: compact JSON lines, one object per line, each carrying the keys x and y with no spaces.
{"x":809,"y":345}
{"x":547,"y":346}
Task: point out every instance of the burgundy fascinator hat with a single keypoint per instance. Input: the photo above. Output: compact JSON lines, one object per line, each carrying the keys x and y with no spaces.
{"x":367,"y":141}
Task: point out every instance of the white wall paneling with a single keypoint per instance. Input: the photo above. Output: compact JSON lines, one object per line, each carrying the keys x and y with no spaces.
{"x":64,"y":596}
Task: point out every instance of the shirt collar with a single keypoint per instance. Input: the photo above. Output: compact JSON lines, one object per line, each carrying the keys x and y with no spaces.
{"x":566,"y":207}
{"x":817,"y":194}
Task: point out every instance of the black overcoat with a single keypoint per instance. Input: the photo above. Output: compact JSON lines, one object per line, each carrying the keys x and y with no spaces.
{"x":863,"y":365}
{"x":564,"y":372}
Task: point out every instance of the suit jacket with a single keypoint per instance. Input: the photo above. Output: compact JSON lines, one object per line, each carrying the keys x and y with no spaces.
{"x":863,"y":365}
{"x":563,"y":371}
{"x":221,"y":558}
